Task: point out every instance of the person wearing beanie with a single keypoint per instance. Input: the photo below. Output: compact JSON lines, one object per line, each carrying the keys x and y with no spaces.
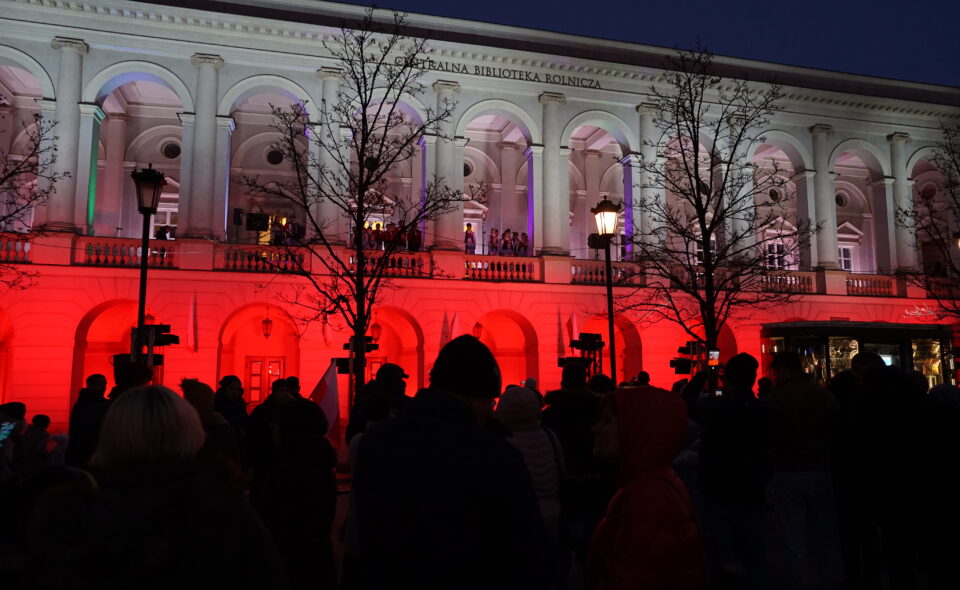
{"x":461,"y":511}
{"x":221,"y":442}
{"x":229,"y":403}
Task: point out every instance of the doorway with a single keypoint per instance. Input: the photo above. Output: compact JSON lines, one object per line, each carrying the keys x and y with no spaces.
{"x":261,"y":372}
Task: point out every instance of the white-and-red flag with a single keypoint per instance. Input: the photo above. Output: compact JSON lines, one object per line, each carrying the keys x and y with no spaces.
{"x":327,"y":395}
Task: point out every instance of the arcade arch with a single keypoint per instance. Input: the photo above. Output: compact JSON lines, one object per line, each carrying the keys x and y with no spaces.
{"x":864,"y":221}
{"x":400,"y":338}
{"x":513,"y":342}
{"x":498,"y":134}
{"x":258,"y":343}
{"x":103,"y":332}
{"x":626,"y":339}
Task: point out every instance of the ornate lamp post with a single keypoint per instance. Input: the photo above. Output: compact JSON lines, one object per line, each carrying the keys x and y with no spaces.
{"x":149,"y":183}
{"x":606,"y":213}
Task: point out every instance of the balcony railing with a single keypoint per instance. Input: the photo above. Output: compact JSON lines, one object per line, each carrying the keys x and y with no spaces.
{"x":122,"y":252}
{"x":15,"y":248}
{"x":501,"y":268}
{"x":594,"y":272}
{"x":791,"y":281}
{"x":871,"y":285}
{"x":399,"y":264}
{"x":242,"y":258}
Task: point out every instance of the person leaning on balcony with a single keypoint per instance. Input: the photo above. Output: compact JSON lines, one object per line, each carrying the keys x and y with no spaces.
{"x":494,"y":242}
{"x":506,"y":243}
{"x":523,"y":245}
{"x":469,"y":240}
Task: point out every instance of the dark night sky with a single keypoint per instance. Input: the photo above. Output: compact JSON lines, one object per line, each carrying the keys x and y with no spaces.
{"x":918,"y":41}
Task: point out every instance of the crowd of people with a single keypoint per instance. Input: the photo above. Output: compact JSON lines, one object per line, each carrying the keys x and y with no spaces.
{"x":715,"y":484}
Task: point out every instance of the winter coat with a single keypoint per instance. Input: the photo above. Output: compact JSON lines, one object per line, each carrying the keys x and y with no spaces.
{"x":443,"y":503}
{"x":84,"y":431}
{"x":571,"y":414}
{"x":234,"y":410}
{"x":806,"y":417}
{"x":297,"y":501}
{"x":648,"y":538}
{"x":734,"y":447}
{"x":154,"y":526}
{"x":519,"y":411}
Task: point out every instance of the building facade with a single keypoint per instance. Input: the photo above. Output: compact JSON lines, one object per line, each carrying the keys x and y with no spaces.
{"x":550,"y":124}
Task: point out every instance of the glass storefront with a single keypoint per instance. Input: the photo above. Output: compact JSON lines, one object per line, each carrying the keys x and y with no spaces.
{"x":827,"y":347}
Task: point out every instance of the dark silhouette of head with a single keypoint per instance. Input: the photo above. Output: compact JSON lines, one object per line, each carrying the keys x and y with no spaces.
{"x":198,"y":394}
{"x":41,"y":421}
{"x":643,"y":378}
{"x":601,"y":384}
{"x":390,"y":378}
{"x":574,"y":376}
{"x":787,"y":367}
{"x":294,"y":384}
{"x":280,"y":391}
{"x":864,"y":362}
{"x":14,"y":410}
{"x":97,"y":383}
{"x":231,"y":387}
{"x":148,"y":425}
{"x":300,"y":422}
{"x":764,"y":387}
{"x":740,"y":371}
{"x":466,"y":366}
{"x":129,"y":375}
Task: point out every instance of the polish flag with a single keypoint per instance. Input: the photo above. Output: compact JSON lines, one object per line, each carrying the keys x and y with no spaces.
{"x":327,"y":395}
{"x":573,"y":330}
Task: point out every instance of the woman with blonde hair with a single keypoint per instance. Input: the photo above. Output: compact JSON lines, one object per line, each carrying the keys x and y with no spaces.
{"x":158,"y":518}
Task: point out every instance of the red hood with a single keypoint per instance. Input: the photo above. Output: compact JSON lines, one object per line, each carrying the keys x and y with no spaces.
{"x":653,"y":426}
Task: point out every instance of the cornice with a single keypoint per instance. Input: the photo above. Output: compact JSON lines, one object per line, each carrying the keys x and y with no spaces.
{"x":478,"y":53}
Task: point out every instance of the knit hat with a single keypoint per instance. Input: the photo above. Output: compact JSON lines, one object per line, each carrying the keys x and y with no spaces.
{"x":518,"y":408}
{"x":198,"y":394}
{"x":466,"y":366}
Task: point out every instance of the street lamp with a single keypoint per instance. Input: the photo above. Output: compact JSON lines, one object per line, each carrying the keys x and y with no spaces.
{"x":607,"y":213}
{"x":149,"y":183}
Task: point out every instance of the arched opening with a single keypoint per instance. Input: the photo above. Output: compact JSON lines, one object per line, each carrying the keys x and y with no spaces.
{"x":864,"y":223}
{"x":493,"y":160}
{"x":596,"y":173}
{"x":779,"y":201}
{"x":254,"y":153}
{"x":19,"y":91}
{"x":401,"y":342}
{"x":258,"y":343}
{"x":934,"y":220}
{"x":103,"y":332}
{"x":626,"y":340}
{"x":142,"y":126}
{"x":513,"y":341}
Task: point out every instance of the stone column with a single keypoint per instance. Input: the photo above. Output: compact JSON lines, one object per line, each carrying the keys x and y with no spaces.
{"x":649,"y":139}
{"x":508,"y":210}
{"x":187,"y":121}
{"x":806,"y":213}
{"x":449,"y":226}
{"x":61,"y":205}
{"x":328,"y":216}
{"x":427,"y":174}
{"x":825,"y":198}
{"x":906,"y":238}
{"x":631,"y":197}
{"x":583,"y":223}
{"x":886,"y":233}
{"x":534,"y":155}
{"x":220,"y":213}
{"x":199,"y":200}
{"x":108,"y":217}
{"x":556,"y":206}
{"x":88,"y":155}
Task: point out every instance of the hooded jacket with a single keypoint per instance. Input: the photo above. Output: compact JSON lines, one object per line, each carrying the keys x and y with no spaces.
{"x":648,"y":538}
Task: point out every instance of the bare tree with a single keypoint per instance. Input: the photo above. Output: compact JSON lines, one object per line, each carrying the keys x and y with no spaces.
{"x":934,"y":220}
{"x":721,"y":233}
{"x":339,"y":177}
{"x":27,"y":181}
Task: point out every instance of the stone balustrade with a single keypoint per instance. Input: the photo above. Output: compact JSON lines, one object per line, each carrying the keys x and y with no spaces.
{"x":122,"y":252}
{"x":871,"y":285}
{"x":249,"y":258}
{"x":501,"y":268}
{"x":594,"y":272}
{"x":15,"y":248}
